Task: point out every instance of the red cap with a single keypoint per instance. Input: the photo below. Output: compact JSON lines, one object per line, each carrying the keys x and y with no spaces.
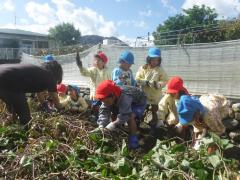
{"x":174,"y":85}
{"x":106,"y":88}
{"x":102,"y":56}
{"x":61,"y":88}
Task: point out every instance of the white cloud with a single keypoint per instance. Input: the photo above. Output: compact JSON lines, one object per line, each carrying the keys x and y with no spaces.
{"x":40,"y":13}
{"x":46,"y":15}
{"x":140,"y":24}
{"x":147,"y":13}
{"x":7,"y":5}
{"x":167,"y":4}
{"x":225,"y":8}
{"x":127,"y":40}
{"x":23,"y":21}
{"x":135,"y":23}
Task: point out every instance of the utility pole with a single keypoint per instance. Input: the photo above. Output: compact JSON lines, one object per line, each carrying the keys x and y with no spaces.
{"x":15,"y":20}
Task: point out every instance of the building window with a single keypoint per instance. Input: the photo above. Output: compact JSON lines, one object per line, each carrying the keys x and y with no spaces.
{"x":42,"y":44}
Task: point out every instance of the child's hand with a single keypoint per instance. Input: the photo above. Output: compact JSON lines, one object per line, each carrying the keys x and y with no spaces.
{"x":78,"y":60}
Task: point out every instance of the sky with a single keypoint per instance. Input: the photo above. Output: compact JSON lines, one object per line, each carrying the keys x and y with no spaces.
{"x":125,"y":19}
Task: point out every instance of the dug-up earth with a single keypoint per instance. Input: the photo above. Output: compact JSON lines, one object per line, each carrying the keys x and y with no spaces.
{"x":64,"y":146}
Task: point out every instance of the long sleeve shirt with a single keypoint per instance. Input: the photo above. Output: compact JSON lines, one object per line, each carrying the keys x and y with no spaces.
{"x":156,"y":74}
{"x":79,"y":105}
{"x":124,"y":106}
{"x":122,"y":109}
{"x":121,"y":77}
{"x":167,"y":110}
{"x":96,"y":77}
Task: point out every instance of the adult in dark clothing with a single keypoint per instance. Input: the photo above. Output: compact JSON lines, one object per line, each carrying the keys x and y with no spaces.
{"x":18,"y":79}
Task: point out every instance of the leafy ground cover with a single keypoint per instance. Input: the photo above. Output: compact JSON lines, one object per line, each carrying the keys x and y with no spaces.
{"x":64,"y":147}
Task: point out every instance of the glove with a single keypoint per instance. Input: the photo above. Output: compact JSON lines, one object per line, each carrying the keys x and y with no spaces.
{"x":78,"y":60}
{"x":133,"y":142}
{"x":45,"y":107}
{"x":111,"y":126}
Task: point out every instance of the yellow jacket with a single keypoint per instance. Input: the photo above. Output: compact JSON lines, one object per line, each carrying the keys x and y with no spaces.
{"x":62,"y":98}
{"x":96,"y":76}
{"x":157,"y":75}
{"x":79,"y":105}
{"x":167,"y":110}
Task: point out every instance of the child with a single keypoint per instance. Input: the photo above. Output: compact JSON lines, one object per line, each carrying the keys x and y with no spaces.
{"x":62,"y":92}
{"x":152,"y":79}
{"x":167,"y":110}
{"x":122,"y":75}
{"x":74,"y":102}
{"x":126,"y":104}
{"x":97,"y":73}
{"x":48,"y":58}
{"x":205,"y":113}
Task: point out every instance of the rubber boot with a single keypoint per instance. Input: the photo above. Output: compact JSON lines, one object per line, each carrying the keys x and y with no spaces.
{"x":133,"y":142}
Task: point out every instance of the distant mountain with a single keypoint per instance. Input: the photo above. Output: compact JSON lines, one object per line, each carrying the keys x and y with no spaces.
{"x":95,"y":39}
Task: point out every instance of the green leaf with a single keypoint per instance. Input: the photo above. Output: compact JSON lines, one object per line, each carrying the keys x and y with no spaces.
{"x":200,"y":174}
{"x":178,"y":148}
{"x":198,"y":164}
{"x":207,"y":141}
{"x":122,"y":166}
{"x":95,"y":137}
{"x":51,"y":145}
{"x":3,"y":130}
{"x":185,"y":163}
{"x":169,"y":162}
{"x":104,"y":172}
{"x":214,"y":160}
{"x":124,"y":149}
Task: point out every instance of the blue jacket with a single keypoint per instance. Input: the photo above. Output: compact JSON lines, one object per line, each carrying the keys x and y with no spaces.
{"x":121,"y":77}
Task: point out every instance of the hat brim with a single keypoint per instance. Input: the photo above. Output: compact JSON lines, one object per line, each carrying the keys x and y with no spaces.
{"x":154,"y":56}
{"x":172,"y":91}
{"x":124,"y":61}
{"x":100,"y":96}
{"x":62,"y":91}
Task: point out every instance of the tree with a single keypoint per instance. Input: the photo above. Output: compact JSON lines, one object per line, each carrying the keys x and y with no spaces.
{"x":187,"y":27}
{"x":65,"y":34}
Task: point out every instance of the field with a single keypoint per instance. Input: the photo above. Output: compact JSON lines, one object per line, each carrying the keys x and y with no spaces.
{"x":59,"y":146}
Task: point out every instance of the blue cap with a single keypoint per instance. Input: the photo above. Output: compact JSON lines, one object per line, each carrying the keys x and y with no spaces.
{"x":187,"y":106}
{"x":154,"y":52}
{"x":75,"y":88}
{"x":127,"y":57}
{"x":48,"y":58}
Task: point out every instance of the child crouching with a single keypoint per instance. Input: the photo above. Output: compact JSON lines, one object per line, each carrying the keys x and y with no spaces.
{"x":74,"y":102}
{"x":126,"y":104}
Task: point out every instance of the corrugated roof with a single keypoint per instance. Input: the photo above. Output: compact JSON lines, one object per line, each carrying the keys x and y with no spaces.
{"x":21,"y":32}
